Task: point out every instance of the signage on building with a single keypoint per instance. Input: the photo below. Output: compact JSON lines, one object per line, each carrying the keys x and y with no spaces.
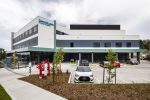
{"x":45,"y":23}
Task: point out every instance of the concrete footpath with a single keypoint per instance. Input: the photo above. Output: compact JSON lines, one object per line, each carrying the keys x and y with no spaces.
{"x":20,"y":90}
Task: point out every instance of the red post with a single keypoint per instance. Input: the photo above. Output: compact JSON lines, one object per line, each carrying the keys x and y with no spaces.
{"x":41,"y":69}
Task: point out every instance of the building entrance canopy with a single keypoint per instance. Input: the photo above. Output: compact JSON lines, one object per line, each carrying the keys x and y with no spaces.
{"x":77,"y":50}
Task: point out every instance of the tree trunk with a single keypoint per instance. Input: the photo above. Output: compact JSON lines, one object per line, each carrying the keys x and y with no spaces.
{"x":109,"y":76}
{"x":115,"y":75}
{"x":103,"y":75}
{"x":53,"y":73}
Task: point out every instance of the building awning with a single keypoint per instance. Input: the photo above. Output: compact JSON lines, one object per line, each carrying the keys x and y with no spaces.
{"x":105,"y":50}
{"x":77,"y":50}
{"x":30,"y":49}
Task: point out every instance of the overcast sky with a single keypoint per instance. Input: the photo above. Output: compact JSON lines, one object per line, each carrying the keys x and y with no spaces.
{"x":132,"y":15}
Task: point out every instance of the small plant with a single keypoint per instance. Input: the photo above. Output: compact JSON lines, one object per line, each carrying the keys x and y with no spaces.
{"x":2,"y":54}
{"x":14,"y":58}
{"x":57,"y":60}
{"x":111,"y":57}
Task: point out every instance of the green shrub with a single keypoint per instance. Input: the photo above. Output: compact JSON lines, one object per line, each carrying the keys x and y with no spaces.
{"x":148,"y":57}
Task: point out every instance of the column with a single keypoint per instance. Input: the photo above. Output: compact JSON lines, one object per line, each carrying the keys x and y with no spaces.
{"x":38,"y":58}
{"x":30,"y":63}
{"x":131,"y":55}
{"x":127,"y":56}
{"x":138,"y":57}
{"x":92,"y":57}
{"x":79,"y":56}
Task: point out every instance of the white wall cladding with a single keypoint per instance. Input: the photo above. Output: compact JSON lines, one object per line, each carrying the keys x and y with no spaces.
{"x":94,"y":34}
{"x":95,"y":37}
{"x":46,"y":36}
{"x":90,"y":32}
{"x":45,"y":33}
{"x":27,"y":27}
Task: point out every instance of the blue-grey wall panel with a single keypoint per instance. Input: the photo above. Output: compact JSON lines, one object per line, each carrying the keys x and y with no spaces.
{"x":89,"y":43}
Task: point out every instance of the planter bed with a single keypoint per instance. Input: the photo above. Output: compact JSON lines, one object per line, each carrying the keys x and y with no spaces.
{"x":91,"y":91}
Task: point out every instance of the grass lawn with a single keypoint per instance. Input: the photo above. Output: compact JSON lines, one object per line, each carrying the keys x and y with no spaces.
{"x":92,"y":91}
{"x":3,"y":94}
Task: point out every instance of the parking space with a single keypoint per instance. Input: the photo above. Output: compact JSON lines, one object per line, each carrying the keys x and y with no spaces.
{"x":125,"y":74}
{"x":134,"y":74}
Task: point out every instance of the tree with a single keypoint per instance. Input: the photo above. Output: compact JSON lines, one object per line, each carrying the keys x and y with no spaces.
{"x":2,"y":54}
{"x":145,"y":44}
{"x":57,"y":60}
{"x":111,"y":57}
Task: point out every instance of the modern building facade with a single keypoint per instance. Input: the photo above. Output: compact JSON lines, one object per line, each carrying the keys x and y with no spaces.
{"x":40,"y":38}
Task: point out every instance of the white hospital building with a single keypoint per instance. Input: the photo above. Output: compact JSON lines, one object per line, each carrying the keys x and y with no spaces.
{"x":41,"y":37}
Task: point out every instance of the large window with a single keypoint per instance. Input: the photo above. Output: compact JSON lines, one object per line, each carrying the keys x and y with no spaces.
{"x":36,"y":28}
{"x":71,"y":44}
{"x":128,"y":44}
{"x":107,"y":44}
{"x":96,"y":44}
{"x":118,"y":44}
{"x":28,"y":43}
{"x":26,"y":34}
{"x":30,"y":31}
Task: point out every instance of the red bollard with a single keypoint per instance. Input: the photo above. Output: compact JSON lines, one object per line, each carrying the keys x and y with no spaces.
{"x":41,"y":69}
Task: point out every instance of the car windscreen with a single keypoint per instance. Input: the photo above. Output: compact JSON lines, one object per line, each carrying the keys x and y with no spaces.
{"x":84,"y":61}
{"x":83,"y":69}
{"x":133,"y":59}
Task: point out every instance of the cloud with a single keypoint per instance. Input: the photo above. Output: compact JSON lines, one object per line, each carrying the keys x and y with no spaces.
{"x":132,"y":15}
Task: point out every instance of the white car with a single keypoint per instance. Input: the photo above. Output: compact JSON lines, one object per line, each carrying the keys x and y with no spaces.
{"x":134,"y":61}
{"x":83,"y":74}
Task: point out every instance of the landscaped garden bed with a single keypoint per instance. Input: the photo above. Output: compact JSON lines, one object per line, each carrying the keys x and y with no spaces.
{"x":91,"y":91}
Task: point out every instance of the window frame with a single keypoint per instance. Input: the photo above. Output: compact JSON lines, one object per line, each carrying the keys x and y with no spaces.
{"x":105,"y":44}
{"x":96,"y":44}
{"x":128,"y":43}
{"x":118,"y":45}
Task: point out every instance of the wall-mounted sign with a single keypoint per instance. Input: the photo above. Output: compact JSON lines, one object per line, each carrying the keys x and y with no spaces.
{"x":45,"y":23}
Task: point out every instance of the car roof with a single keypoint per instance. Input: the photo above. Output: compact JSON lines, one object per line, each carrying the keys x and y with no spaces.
{"x":82,"y":66}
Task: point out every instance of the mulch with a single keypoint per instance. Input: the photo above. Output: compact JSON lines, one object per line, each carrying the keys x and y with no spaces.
{"x":91,"y":91}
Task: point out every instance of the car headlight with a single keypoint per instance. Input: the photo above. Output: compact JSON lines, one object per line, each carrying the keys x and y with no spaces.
{"x":76,"y":75}
{"x":91,"y":75}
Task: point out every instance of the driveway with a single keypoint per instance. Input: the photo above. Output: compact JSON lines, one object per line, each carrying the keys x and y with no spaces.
{"x":125,"y":74}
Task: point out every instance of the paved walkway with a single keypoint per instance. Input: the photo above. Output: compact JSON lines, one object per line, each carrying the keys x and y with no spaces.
{"x":20,"y":90}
